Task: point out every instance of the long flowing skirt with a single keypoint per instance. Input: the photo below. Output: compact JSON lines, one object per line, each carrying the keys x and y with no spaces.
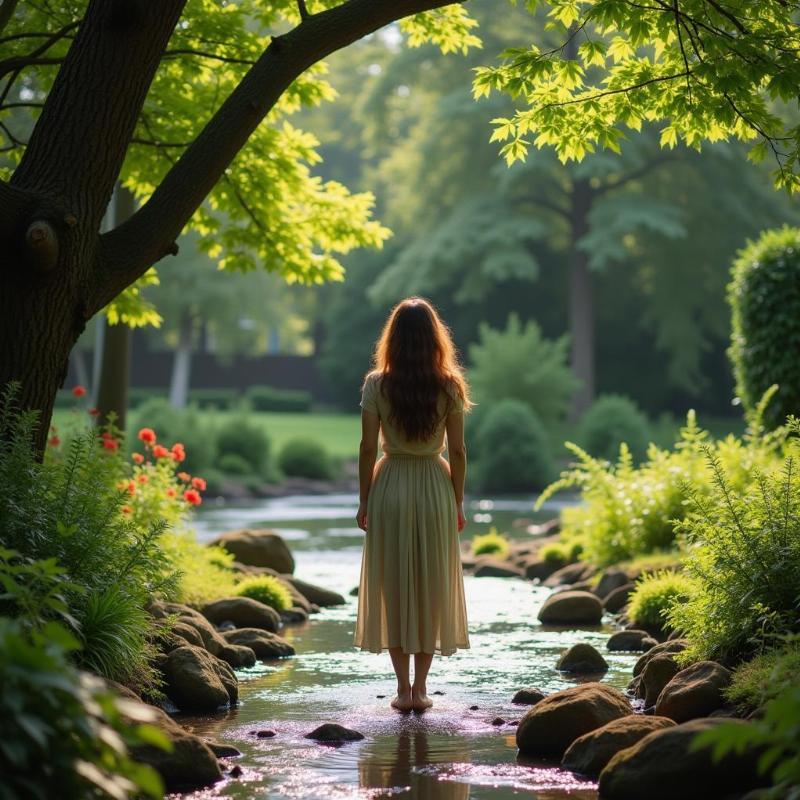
{"x":411,"y":591}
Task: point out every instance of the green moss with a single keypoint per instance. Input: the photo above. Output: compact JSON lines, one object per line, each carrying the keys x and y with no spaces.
{"x":267,"y":589}
{"x":491,"y":543}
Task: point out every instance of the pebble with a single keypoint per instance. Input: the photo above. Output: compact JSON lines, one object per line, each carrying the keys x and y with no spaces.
{"x":235,"y":771}
{"x":498,"y":721}
{"x":267,"y":734}
{"x":474,"y":708}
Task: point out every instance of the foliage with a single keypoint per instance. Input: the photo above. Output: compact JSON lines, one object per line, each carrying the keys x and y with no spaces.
{"x":765,"y":676}
{"x":266,"y":589}
{"x":205,"y":572}
{"x":655,"y":594}
{"x":240,"y":436}
{"x":514,"y":452}
{"x":518,"y":363}
{"x":305,"y":458}
{"x":709,"y":72}
{"x":776,"y":735}
{"x":213,"y":398}
{"x":561,"y":553}
{"x":764,"y":295}
{"x":611,"y":420}
{"x":491,"y":543}
{"x":744,"y":555}
{"x":234,"y":464}
{"x":268,"y":398}
{"x":63,"y":730}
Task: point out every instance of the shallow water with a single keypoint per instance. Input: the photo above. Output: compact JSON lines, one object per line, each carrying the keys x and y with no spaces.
{"x":449,"y":752}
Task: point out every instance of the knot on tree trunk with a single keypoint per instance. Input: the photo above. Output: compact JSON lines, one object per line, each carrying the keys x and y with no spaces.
{"x":41,"y":245}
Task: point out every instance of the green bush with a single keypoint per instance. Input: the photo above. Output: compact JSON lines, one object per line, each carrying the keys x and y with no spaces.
{"x":611,"y":420}
{"x":491,"y":543}
{"x":213,"y":398}
{"x":266,"y":589}
{"x":764,"y":295}
{"x":744,"y":557}
{"x":305,"y":458}
{"x":138,"y":395}
{"x":177,"y":425}
{"x":518,"y":363}
{"x":240,"y":436}
{"x":267,"y":398}
{"x":514,"y":453}
{"x":233,"y":464}
{"x":206,"y":572}
{"x":656,"y":593}
{"x":561,"y":553}
{"x":764,"y":677}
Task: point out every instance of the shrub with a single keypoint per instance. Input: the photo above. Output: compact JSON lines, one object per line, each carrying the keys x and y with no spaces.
{"x":266,"y":589}
{"x":763,"y":678}
{"x":561,"y":553}
{"x":611,"y":420}
{"x":234,"y":464}
{"x":518,"y":363}
{"x":246,"y":439}
{"x":764,"y":295}
{"x":213,"y":398}
{"x":205,"y":572}
{"x":745,"y":558}
{"x":491,"y":543}
{"x":267,"y":398}
{"x":655,"y":594}
{"x":514,"y":450}
{"x":305,"y":458}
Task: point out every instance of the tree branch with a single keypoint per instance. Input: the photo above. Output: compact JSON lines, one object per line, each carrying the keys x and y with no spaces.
{"x":130,"y":250}
{"x":634,"y":174}
{"x":7,"y":11}
{"x":301,"y":7}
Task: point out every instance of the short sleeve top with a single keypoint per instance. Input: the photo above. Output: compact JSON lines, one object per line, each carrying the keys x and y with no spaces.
{"x":392,"y":438}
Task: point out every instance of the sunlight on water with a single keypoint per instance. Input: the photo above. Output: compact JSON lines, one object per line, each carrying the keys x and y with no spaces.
{"x":451,"y":751}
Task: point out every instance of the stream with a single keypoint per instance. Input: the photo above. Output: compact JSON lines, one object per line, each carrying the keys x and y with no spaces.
{"x":451,"y":751}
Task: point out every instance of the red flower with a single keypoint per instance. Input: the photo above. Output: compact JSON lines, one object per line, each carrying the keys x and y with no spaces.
{"x":106,"y":435}
{"x":138,"y":458}
{"x":171,"y":492}
{"x":126,"y":509}
{"x":131,"y":487}
{"x":159,"y":451}
{"x":110,"y":444}
{"x":147,"y":435}
{"x":78,"y":391}
{"x":178,"y":453}
{"x":54,"y":441}
{"x":193,"y":497}
{"x":199,"y":484}
{"x":184,"y":476}
{"x":95,"y":412}
{"x":142,"y":478}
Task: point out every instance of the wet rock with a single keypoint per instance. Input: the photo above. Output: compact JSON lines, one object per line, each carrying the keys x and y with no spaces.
{"x":498,"y":721}
{"x":211,"y":640}
{"x":316,"y":595}
{"x":633,"y":641}
{"x":354,"y":592}
{"x":572,"y":573}
{"x":331,"y":732}
{"x":438,"y":691}
{"x":571,"y":608}
{"x":294,"y":615}
{"x":553,"y":724}
{"x":222,"y":750}
{"x":263,"y":643}
{"x":494,"y":568}
{"x":244,"y":612}
{"x":664,"y":766}
{"x":512,"y":722}
{"x":235,"y":771}
{"x":658,"y":672}
{"x":226,"y":626}
{"x":694,"y":692}
{"x":590,"y":753}
{"x":618,"y":598}
{"x":538,"y":569}
{"x":197,"y":681}
{"x":265,"y":734}
{"x":673,"y":646}
{"x":581,"y":658}
{"x":187,"y":634}
{"x":258,"y":548}
{"x":610,"y":579}
{"x":473,"y":708}
{"x":528,"y":697}
{"x":238,"y":656}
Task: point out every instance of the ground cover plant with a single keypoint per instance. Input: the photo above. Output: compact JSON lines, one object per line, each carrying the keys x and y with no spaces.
{"x":491,"y":543}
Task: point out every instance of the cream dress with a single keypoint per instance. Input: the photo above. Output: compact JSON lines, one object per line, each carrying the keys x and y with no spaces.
{"x":411,"y":592}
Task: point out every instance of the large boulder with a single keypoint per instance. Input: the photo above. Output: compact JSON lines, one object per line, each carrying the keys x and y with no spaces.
{"x":664,"y":766}
{"x":612,"y":578}
{"x":658,"y":672}
{"x":581,"y":658}
{"x":185,"y":633}
{"x":317,"y":595}
{"x":494,"y":568}
{"x":263,"y":643}
{"x":553,"y":724}
{"x":618,"y":598}
{"x":197,"y":681}
{"x":572,"y":573}
{"x":187,"y":616}
{"x":589,"y":753}
{"x":632,"y":641}
{"x":258,"y":548}
{"x":243,"y":612}
{"x":670,"y":647}
{"x":694,"y":692}
{"x":571,"y":608}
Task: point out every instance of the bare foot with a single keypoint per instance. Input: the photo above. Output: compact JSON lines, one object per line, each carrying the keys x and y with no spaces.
{"x":402,"y":701}
{"x":419,"y":699}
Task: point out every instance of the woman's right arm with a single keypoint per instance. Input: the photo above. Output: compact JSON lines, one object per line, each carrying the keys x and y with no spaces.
{"x":457,"y":455}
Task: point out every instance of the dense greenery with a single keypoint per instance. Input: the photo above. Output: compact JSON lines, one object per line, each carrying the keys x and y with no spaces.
{"x":305,"y":458}
{"x":655,"y":594}
{"x":764,"y":295}
{"x":611,"y":420}
{"x":491,"y":543}
{"x":764,"y":677}
{"x":267,"y":398}
{"x":241,"y":437}
{"x":266,"y":589}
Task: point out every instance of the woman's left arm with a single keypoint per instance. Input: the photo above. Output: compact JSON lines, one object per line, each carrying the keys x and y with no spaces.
{"x":367,"y":453}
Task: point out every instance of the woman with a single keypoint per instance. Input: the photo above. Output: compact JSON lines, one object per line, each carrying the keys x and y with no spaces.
{"x":411,"y":593}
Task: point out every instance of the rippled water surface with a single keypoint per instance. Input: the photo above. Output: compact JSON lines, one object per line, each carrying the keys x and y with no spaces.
{"x":450,"y":751}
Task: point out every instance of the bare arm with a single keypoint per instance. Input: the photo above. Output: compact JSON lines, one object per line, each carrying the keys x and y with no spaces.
{"x":457,"y":453}
{"x":367,"y":453}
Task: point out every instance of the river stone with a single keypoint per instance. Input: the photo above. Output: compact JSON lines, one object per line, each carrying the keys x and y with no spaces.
{"x":209,"y":635}
{"x":257,"y":548}
{"x":669,"y":647}
{"x":263,"y":643}
{"x":354,"y":591}
{"x":632,"y":641}
{"x":197,"y":681}
{"x":222,"y":750}
{"x":658,"y":672}
{"x":572,"y":573}
{"x":187,"y":634}
{"x":694,"y":692}
{"x":537,"y":568}
{"x":571,"y":608}
{"x":663,"y":766}
{"x":611,"y":578}
{"x":553,"y":724}
{"x":238,"y":656}
{"x":494,"y":568}
{"x":331,"y":732}
{"x":589,"y":753}
{"x":528,"y":697}
{"x":581,"y":658}
{"x":618,"y":598}
{"x":294,"y":615}
{"x":318,"y":595}
{"x":189,"y":765}
{"x":243,"y":612}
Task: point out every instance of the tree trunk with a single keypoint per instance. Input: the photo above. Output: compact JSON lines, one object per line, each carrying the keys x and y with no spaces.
{"x":581,"y":301}
{"x":182,"y":363}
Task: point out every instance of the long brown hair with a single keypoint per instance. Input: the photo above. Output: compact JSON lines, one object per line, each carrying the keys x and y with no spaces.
{"x":417,"y":360}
